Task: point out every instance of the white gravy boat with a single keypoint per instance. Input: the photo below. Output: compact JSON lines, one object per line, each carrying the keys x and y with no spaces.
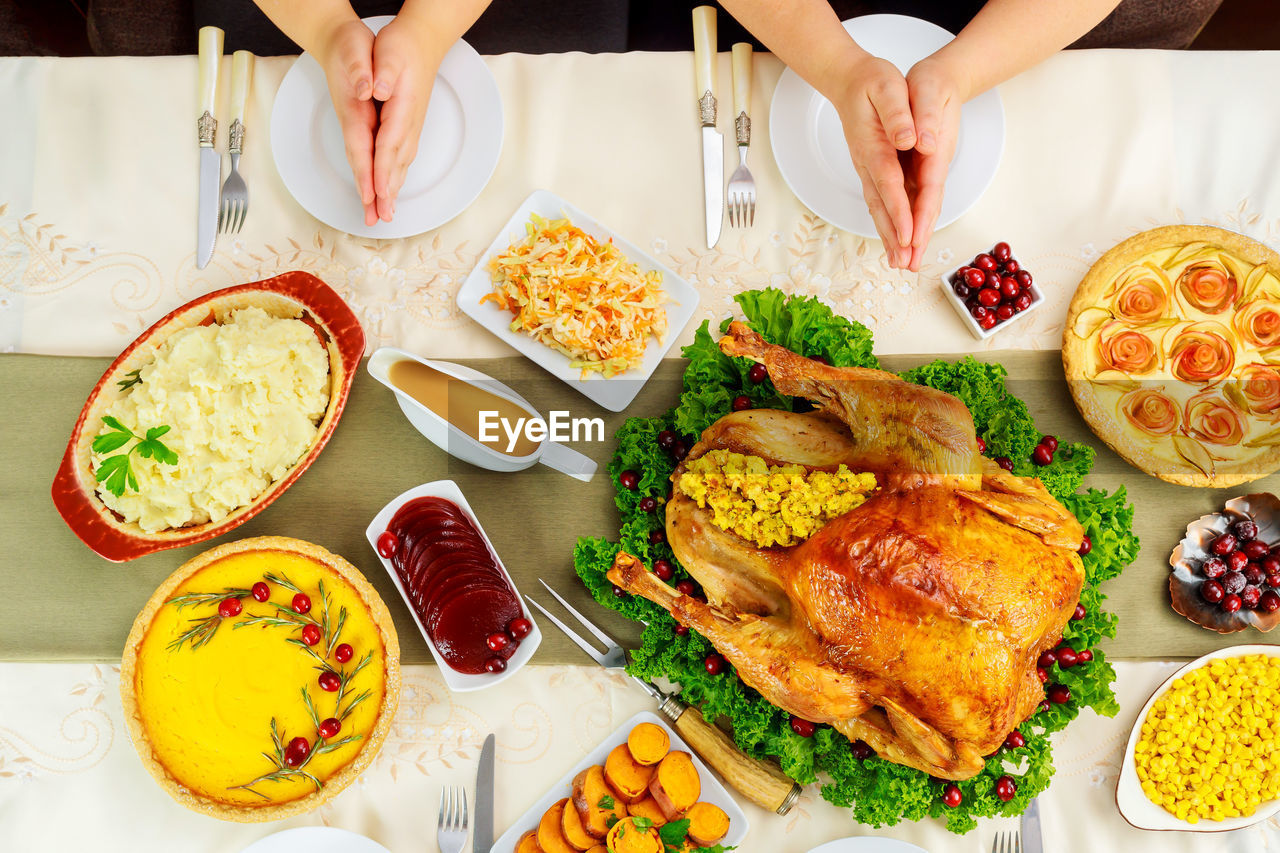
{"x":457,"y":443}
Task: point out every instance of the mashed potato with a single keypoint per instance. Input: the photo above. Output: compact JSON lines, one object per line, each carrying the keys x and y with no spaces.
{"x":771,"y":504}
{"x":242,"y":400}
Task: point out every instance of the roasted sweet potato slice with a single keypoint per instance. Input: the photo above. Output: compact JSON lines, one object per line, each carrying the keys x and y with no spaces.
{"x":648,"y":743}
{"x":626,"y":837}
{"x":648,"y":807}
{"x":574,"y":832}
{"x":596,"y":801}
{"x":550,"y":837}
{"x":707,"y":824}
{"x":528,"y":843}
{"x":599,"y":848}
{"x":626,"y":775}
{"x":676,"y":785}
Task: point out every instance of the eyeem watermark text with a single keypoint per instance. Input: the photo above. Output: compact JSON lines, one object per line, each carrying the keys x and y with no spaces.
{"x":560,"y":427}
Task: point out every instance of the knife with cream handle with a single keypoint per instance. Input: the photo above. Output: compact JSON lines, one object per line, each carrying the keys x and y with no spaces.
{"x":210,"y":172}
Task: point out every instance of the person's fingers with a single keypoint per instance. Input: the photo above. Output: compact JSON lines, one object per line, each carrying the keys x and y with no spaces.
{"x":357,"y":119}
{"x":880,"y":216}
{"x":351,"y":57}
{"x":886,"y":174}
{"x":928,"y":101}
{"x":389,"y":62}
{"x":892,"y":103}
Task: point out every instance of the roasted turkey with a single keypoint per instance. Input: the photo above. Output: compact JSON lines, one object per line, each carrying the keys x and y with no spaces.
{"x":912,"y":622}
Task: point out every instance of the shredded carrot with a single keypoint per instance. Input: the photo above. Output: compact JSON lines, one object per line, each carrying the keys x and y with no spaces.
{"x":579,"y":296}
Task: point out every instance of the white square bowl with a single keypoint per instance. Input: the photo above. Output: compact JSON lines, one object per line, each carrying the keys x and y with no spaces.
{"x":967,"y":318}
{"x":458,"y":682}
{"x":712,"y":791}
{"x":615,"y":393}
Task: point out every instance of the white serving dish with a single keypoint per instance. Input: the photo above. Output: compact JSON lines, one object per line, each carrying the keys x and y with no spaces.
{"x":614,"y":394}
{"x":712,"y":791}
{"x":971,"y":324}
{"x":1134,"y":806}
{"x":458,"y":682}
{"x":457,"y":443}
{"x":867,"y":844}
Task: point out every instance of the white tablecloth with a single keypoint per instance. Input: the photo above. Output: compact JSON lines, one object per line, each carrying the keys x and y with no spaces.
{"x":97,"y":194}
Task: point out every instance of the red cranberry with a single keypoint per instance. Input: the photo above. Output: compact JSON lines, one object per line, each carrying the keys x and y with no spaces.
{"x":821,"y":359}
{"x":804,"y":728}
{"x":663,"y":570}
{"x":1236,"y":561}
{"x":296,"y":752}
{"x":388,"y":545}
{"x":988,"y":297}
{"x":1231,"y":603}
{"x":1214,"y":567}
{"x":262,"y":592}
{"x":985,"y":262}
{"x":962,"y":290}
{"x":648,"y":503}
{"x":1084,"y":656}
{"x":657,"y":537}
{"x":229,"y":607}
{"x":619,"y":592}
{"x":1004,"y":312}
{"x":686,"y":587}
{"x":982,"y":445}
{"x":1246,"y":531}
{"x":667,"y":438}
{"x":1050,"y":441}
{"x":679,"y":450}
{"x":1059,"y":694}
{"x":1273,"y":580}
{"x":1086,"y":545}
{"x":1015,"y":740}
{"x":974,"y":276}
{"x":682,"y":630}
{"x":1046,"y":659}
{"x":1270,"y":564}
{"x":629,"y":480}
{"x":310,"y":634}
{"x":741,"y":403}
{"x":1223,"y":545}
{"x":1011,"y":266}
{"x":861,"y":750}
{"x":329,"y":681}
{"x":1253,"y":574}
{"x":1212,"y":591}
{"x":759,"y":373}
{"x":1006,"y":788}
{"x":1081,"y":612}
{"x":519,"y":628}
{"x":1042,"y":455}
{"x":988,"y":322}
{"x":497,"y":641}
{"x":1254,"y":549}
{"x":714,"y":664}
{"x":1269,"y":602}
{"x":1232,"y":582}
{"x":1009,"y":287}
{"x":301,"y":603}
{"x":1043,"y":706}
{"x":1005,"y":462}
{"x":951,"y":796}
{"x":1024,"y":279}
{"x":1067,"y":657}
{"x":1042,"y":674}
{"x":343,"y":652}
{"x":992,"y":280}
{"x":1001,"y":252}
{"x":495,"y":665}
{"x":1250,"y":596}
{"x":1023,"y":301}
{"x":330,"y":728}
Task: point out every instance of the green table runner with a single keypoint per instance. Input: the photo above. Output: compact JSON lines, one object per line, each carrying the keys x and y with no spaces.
{"x":60,"y":601}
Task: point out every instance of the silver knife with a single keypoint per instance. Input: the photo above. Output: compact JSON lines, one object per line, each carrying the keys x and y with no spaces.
{"x":210,"y":160}
{"x":1031,"y":836}
{"x":482,"y":840}
{"x":704,"y":60}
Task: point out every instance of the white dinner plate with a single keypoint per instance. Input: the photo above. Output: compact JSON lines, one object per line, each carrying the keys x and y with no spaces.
{"x":457,"y":151}
{"x":867,"y":844}
{"x":712,"y":791}
{"x":315,"y":839}
{"x":617,"y":392}
{"x":809,"y":145}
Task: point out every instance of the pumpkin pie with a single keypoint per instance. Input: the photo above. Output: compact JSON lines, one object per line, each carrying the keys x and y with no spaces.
{"x":1172,"y":353}
{"x":260,"y":679}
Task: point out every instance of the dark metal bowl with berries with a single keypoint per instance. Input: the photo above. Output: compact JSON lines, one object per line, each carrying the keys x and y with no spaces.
{"x":991,"y":291}
{"x":1226,"y":571}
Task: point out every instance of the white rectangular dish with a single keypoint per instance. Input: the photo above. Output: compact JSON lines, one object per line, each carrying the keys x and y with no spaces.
{"x":712,"y":791}
{"x":459,"y":682}
{"x":1037,"y":299}
{"x":616,"y":393}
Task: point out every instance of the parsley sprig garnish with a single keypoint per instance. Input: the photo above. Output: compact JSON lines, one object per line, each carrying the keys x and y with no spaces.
{"x":114,"y":472}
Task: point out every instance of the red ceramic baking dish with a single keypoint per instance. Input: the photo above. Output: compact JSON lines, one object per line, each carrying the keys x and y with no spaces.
{"x":292,"y":294}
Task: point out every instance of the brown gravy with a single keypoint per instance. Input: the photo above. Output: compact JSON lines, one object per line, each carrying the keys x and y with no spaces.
{"x":460,"y":403}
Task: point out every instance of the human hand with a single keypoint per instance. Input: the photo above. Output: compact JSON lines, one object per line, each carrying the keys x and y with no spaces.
{"x":937,"y":95}
{"x":346,"y":55}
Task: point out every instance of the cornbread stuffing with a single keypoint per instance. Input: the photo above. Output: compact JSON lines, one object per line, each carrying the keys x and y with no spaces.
{"x":771,"y":504}
{"x":1207,"y":748}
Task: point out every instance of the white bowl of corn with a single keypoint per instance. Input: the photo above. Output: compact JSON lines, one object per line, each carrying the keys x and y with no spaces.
{"x":1182,"y":769}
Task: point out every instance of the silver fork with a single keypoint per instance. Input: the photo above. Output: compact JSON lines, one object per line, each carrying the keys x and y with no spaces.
{"x":235,"y":195}
{"x":1007,"y":842}
{"x":742,"y":187}
{"x":451,"y":828}
{"x":613,"y":657}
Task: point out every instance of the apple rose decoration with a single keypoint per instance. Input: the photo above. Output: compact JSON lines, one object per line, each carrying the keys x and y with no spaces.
{"x":1127,"y":351}
{"x":1212,"y":419}
{"x":1258,"y":323}
{"x":1150,"y":411}
{"x":1260,"y":386}
{"x":1208,"y":286}
{"x":1141,"y":297}
{"x":1202,"y":353}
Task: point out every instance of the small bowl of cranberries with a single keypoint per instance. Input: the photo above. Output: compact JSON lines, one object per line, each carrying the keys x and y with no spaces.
{"x":991,"y":291}
{"x":1226,"y":570}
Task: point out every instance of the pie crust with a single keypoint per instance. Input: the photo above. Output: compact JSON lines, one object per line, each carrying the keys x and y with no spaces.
{"x":1171,"y":350}
{"x":336,"y":781}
